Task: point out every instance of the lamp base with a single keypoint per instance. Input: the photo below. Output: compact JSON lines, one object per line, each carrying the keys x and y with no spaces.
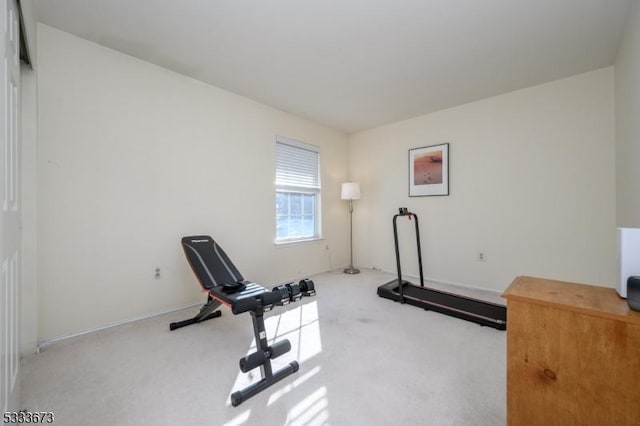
{"x":351,"y":270}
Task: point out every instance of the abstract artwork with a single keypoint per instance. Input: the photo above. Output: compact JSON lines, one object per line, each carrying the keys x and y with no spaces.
{"x":429,"y":170}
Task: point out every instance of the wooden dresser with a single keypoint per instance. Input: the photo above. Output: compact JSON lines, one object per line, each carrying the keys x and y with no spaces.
{"x":573,"y":355}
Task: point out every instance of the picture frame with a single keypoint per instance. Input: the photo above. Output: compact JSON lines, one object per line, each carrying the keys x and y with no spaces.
{"x":429,"y":170}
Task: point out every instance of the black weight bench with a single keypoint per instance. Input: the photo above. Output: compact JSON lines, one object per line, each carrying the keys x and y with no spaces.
{"x":224,"y":285}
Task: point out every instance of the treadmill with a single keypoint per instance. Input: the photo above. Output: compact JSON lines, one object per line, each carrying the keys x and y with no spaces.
{"x":466,"y":308}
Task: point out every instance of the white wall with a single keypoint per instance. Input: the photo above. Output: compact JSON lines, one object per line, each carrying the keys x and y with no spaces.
{"x":131,"y":158}
{"x":532,"y":185}
{"x":628,"y":123}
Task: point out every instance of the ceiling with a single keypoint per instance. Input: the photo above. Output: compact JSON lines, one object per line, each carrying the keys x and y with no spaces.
{"x":355,"y":64}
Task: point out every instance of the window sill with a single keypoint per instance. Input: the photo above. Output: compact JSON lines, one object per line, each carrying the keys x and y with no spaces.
{"x":297,"y":242}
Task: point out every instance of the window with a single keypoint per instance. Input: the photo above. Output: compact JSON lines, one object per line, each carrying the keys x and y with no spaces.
{"x":297,"y":191}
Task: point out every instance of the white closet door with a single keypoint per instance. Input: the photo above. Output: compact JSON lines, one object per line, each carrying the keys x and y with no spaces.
{"x":10,"y":243}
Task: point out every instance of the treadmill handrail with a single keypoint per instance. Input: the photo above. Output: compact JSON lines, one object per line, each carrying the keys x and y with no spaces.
{"x":404,"y":212}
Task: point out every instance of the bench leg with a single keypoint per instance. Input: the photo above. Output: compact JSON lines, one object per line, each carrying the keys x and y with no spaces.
{"x":207,"y":312}
{"x":268,"y":376}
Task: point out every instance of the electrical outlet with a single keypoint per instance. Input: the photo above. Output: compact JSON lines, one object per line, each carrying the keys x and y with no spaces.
{"x":481,"y":257}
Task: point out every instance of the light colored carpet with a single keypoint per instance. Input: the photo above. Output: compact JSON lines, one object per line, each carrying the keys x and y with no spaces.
{"x":363,"y":360}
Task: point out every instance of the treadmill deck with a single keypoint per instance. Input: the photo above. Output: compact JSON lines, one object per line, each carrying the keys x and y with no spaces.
{"x":467,"y":308}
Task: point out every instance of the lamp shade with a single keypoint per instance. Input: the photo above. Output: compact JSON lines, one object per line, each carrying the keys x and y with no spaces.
{"x":350,"y":191}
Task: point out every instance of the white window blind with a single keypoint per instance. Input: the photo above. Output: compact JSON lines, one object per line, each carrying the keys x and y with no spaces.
{"x":297,"y":166}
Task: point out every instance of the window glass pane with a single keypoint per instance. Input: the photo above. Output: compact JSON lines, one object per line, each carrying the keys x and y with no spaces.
{"x":295,"y":215}
{"x":282,"y":203}
{"x":295,"y":203}
{"x":308,"y":225}
{"x":295,"y":226}
{"x":307,"y":206}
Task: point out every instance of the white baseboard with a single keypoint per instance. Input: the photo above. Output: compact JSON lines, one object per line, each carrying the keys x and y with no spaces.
{"x":43,"y":344}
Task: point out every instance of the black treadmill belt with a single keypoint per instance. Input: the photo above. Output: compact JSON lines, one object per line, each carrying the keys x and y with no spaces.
{"x":481,"y":312}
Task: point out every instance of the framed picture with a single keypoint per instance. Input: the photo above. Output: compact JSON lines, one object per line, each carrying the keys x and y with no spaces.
{"x":429,"y":170}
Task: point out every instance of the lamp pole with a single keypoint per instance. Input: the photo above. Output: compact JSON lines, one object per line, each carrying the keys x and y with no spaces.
{"x":351,"y":269}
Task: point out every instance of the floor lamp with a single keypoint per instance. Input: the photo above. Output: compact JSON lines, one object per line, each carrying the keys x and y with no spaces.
{"x":350,"y":191}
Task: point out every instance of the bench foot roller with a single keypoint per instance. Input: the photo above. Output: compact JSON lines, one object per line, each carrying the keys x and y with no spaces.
{"x":242,"y":395}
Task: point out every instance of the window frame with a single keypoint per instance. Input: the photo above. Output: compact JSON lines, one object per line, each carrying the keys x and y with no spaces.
{"x":304,"y":190}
